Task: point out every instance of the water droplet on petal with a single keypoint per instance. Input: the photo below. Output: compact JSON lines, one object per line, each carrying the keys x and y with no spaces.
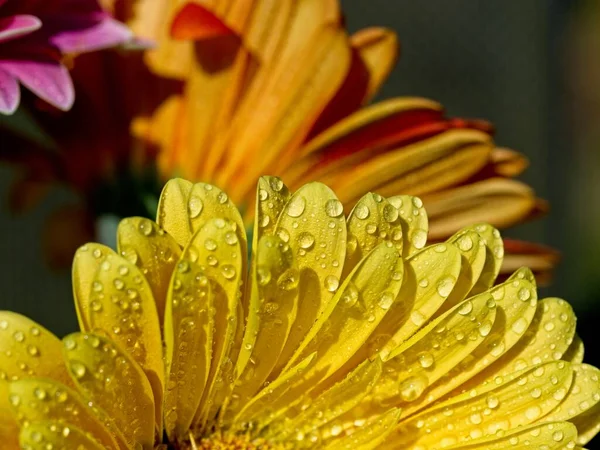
{"x":331,"y":283}
{"x":361,"y":211}
{"x":334,"y":208}
{"x":195,"y":206}
{"x":296,"y":206}
{"x":306,"y":240}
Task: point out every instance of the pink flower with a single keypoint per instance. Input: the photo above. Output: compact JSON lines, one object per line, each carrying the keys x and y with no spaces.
{"x":34,"y":37}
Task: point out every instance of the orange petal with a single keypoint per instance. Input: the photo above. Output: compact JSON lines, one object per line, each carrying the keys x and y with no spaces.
{"x":348,"y":98}
{"x":378,"y":48}
{"x":497,"y":201}
{"x":195,"y":22}
{"x":542,"y":260}
{"x":271,"y":137}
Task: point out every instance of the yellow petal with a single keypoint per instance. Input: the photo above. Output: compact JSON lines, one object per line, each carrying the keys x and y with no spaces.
{"x":28,"y":350}
{"x":575,"y":351}
{"x":433,"y":351}
{"x":358,"y":307}
{"x":370,"y":435}
{"x":273,"y":309}
{"x":53,"y":434}
{"x":546,"y":339}
{"x":143,"y":243}
{"x":516,"y":303}
{"x":272,"y":196}
{"x":588,"y":424}
{"x":437,"y":268}
{"x":473,"y":257}
{"x":549,"y":436}
{"x":319,"y":252}
{"x":115,"y":382}
{"x":577,"y":400}
{"x":188,"y":334}
{"x":122,"y":306}
{"x":271,"y":398}
{"x":522,"y":401}
{"x":372,"y":221}
{"x":378,"y":49}
{"x":216,"y":203}
{"x":9,"y":428}
{"x":318,"y":414}
{"x":217,"y":249}
{"x":494,"y":252}
{"x":174,"y":208}
{"x":85,"y":264}
{"x":37,"y":399}
{"x":414,"y":222}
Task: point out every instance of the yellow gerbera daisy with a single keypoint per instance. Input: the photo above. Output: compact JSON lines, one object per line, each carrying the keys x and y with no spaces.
{"x":343,"y":333}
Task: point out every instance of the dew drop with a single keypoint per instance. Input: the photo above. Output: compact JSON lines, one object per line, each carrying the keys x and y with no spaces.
{"x":390,"y":214}
{"x":426,"y":359}
{"x":231,"y":238}
{"x":263,"y":275}
{"x":350,"y":295}
{"x":533,"y":412}
{"x":417,"y":318}
{"x":519,"y":326}
{"x":334,"y":208}
{"x":222,"y":198}
{"x":485,"y":328}
{"x":228,"y":271}
{"x":288,"y":280}
{"x":385,"y":301}
{"x":306,"y":240}
{"x":419,"y":238}
{"x":466,"y":308}
{"x":331,"y":283}
{"x":412,"y":388}
{"x":276,"y":184}
{"x":371,"y":228}
{"x":361,"y":211}
{"x":145,"y":227}
{"x":445,"y":286}
{"x":296,"y":206}
{"x":210,"y":244}
{"x":78,"y":369}
{"x":195,"y":206}
{"x":465,"y":243}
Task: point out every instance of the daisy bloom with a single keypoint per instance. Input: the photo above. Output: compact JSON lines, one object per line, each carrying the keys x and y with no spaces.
{"x":336,"y":333}
{"x":279,"y":87}
{"x":35,"y":36}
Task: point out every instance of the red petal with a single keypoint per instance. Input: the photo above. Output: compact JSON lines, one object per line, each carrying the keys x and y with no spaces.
{"x":348,"y":98}
{"x":195,"y":22}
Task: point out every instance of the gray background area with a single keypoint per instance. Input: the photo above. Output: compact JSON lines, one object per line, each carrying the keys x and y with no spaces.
{"x":505,"y":61}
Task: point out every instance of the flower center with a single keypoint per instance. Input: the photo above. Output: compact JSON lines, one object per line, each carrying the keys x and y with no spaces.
{"x":235,"y":442}
{"x":219,"y":441}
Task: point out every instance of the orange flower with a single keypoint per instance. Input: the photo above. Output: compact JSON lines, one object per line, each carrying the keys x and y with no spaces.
{"x":279,"y":87}
{"x":238,"y":89}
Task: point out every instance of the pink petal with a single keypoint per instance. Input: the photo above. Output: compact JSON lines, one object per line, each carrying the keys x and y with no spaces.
{"x":49,"y":80}
{"x":10,"y":93}
{"x":13,"y":27}
{"x":85,"y":36}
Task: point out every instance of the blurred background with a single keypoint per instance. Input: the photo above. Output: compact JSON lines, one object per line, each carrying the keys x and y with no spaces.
{"x":532,"y":68}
